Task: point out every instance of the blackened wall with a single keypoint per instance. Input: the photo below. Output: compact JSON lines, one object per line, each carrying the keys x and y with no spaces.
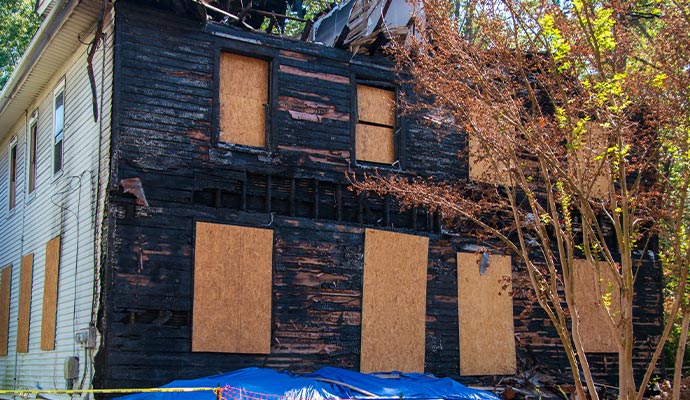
{"x":164,"y":134}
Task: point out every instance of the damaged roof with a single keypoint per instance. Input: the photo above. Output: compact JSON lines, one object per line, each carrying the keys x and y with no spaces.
{"x":361,"y":26}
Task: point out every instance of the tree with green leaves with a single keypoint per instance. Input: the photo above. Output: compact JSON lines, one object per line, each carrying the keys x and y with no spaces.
{"x":577,"y":112}
{"x":18,"y":23}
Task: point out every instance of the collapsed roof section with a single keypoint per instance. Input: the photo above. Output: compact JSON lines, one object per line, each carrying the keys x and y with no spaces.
{"x":364,"y":26}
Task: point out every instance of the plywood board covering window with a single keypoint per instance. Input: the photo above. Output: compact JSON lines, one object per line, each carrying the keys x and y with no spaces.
{"x":485,"y":315}
{"x":483,"y":169}
{"x":25,"y":281}
{"x":374,"y":134}
{"x":243,"y":98}
{"x":393,"y":302}
{"x":589,"y":152}
{"x":596,"y":337}
{"x":50,"y":294}
{"x":232,"y":289}
{"x":5,"y":278}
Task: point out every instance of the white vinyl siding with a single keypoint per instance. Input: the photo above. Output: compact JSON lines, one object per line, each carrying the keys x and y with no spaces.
{"x":62,"y":205}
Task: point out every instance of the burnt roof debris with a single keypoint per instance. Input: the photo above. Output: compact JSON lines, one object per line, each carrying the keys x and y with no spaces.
{"x":364,"y":26}
{"x":252,"y":13}
{"x":361,"y":26}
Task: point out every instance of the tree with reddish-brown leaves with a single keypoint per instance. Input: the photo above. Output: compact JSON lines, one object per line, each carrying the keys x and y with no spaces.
{"x":576,"y":120}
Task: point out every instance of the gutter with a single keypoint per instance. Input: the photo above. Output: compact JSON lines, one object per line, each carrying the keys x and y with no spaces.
{"x":40,"y":42}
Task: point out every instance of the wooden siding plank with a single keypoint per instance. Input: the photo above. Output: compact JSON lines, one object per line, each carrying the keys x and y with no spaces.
{"x":243,"y":94}
{"x":50,"y":294}
{"x":26,"y":279}
{"x":232,"y":289}
{"x":485,"y":314}
{"x":394,"y":302}
{"x":5,"y":284}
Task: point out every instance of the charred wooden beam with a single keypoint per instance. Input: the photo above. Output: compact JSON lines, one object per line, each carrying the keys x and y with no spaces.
{"x":269,"y":181}
{"x":339,"y":202}
{"x":387,"y":210}
{"x":244,"y":195}
{"x":293,"y":190}
{"x":316,"y":198}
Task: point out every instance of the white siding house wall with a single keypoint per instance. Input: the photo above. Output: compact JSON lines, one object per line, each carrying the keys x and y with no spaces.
{"x":68,"y":204}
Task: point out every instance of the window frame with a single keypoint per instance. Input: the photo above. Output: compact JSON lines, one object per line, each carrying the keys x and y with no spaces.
{"x":398,"y":128}
{"x":12,"y":174}
{"x":269,"y":107}
{"x":32,"y":154}
{"x":59,"y":89}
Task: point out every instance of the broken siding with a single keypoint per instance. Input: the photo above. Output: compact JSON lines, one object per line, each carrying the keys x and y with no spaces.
{"x":165,"y":136}
{"x":38,"y":219}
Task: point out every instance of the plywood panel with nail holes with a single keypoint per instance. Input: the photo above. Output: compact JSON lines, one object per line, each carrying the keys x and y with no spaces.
{"x":375,"y":144}
{"x":5,"y":278}
{"x":50,"y":294}
{"x":482,"y":169}
{"x":589,"y":159}
{"x":393,"y":302}
{"x":375,"y":105}
{"x":485,"y":316}
{"x":243,"y":95}
{"x":25,"y":282}
{"x":232,"y":289}
{"x":596,"y":336}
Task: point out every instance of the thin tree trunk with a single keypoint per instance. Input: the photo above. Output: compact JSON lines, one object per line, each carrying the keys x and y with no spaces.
{"x":680,"y":354}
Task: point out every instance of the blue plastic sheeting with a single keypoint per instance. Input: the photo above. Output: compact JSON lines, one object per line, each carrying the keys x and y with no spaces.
{"x":267,"y":384}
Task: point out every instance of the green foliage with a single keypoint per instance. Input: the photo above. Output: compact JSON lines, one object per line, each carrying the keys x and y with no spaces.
{"x":312,"y":9}
{"x":18,"y":23}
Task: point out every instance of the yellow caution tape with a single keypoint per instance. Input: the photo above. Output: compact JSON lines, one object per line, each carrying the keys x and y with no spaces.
{"x":155,"y":390}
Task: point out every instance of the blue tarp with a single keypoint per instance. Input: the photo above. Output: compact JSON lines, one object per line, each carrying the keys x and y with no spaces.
{"x":267,"y":384}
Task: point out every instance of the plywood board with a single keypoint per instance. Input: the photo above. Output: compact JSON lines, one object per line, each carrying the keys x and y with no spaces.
{"x":50,"y":294}
{"x":596,"y":337}
{"x":232,"y":289}
{"x":375,"y":105}
{"x":594,"y":146}
{"x":5,"y":284}
{"x":485,"y":316}
{"x":482,"y":169}
{"x":394,"y":302}
{"x":25,"y":282}
{"x":243,"y":95}
{"x":375,"y":144}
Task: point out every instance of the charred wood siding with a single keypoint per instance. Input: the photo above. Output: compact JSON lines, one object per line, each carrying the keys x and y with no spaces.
{"x":165,"y":134}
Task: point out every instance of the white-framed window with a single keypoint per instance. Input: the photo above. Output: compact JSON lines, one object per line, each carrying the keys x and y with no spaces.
{"x":58,"y":127}
{"x":13,"y":173}
{"x":32,"y":156}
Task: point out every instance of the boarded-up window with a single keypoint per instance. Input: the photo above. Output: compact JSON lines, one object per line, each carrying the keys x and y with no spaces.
{"x":591,"y":161}
{"x":485,"y":315}
{"x":5,"y":277}
{"x":243,"y":100}
{"x":232,"y":289}
{"x":393,"y":302}
{"x":25,"y":281}
{"x":594,"y":331}
{"x":50,"y":294}
{"x":483,"y":168}
{"x":374,"y":134}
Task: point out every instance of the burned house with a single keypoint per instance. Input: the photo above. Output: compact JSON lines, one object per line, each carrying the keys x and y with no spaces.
{"x":199,"y":219}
